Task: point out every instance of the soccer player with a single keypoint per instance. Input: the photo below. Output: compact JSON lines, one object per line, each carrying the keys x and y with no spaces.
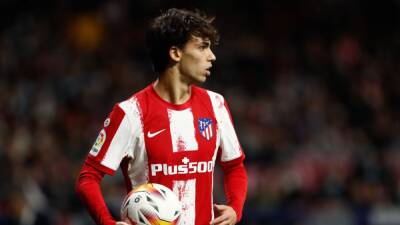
{"x":172,"y":132}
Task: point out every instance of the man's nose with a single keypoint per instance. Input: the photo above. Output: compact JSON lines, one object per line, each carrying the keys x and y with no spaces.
{"x":212,"y":56}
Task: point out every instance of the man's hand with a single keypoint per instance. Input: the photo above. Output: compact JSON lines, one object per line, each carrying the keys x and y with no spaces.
{"x":225,"y":215}
{"x":121,"y":223}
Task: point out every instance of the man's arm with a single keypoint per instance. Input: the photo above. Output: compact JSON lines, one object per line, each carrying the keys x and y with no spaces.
{"x":231,"y":159}
{"x":111,"y":146}
{"x":235,"y":184}
{"x":88,"y":188}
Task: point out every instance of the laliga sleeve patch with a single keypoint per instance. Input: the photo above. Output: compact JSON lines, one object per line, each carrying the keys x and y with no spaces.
{"x":99,"y":142}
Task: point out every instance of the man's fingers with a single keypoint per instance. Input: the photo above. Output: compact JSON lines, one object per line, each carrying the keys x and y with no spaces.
{"x":225,"y":215}
{"x":218,"y":220}
{"x":224,"y":223}
{"x":219,"y":207}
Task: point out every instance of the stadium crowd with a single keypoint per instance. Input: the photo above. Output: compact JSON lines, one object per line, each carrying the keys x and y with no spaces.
{"x":313,"y":88}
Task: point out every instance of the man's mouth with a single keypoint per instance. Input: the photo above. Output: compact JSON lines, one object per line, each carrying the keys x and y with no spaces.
{"x":208,"y":71}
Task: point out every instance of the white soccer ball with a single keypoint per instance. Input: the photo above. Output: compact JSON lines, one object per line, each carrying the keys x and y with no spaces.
{"x":151,"y":204}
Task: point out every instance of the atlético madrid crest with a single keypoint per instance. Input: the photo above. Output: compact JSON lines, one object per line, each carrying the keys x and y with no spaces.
{"x":205,"y":127}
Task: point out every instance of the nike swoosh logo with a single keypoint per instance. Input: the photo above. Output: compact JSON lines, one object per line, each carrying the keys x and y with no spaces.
{"x":151,"y":135}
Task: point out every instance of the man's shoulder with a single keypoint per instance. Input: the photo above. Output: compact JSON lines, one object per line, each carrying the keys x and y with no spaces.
{"x":132,"y":102}
{"x":204,"y":91}
{"x":216,"y":100}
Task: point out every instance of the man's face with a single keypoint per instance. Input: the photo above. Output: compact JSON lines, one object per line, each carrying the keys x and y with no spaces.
{"x":196,"y":60}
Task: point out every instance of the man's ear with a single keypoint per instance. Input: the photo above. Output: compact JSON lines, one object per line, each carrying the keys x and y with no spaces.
{"x":175,"y":53}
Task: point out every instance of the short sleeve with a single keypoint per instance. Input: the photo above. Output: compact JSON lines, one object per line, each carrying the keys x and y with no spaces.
{"x":114,"y":141}
{"x":229,"y":143}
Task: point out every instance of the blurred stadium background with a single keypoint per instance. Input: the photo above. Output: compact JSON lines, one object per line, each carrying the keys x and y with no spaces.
{"x":313,"y":86}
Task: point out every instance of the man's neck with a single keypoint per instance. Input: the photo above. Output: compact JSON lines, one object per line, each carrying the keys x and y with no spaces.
{"x":170,"y":88}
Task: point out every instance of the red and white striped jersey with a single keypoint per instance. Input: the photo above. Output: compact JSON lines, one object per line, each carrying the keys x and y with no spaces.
{"x":174,"y":145}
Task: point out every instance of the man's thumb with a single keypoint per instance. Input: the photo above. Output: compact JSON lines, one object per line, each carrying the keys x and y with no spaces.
{"x":218,"y":207}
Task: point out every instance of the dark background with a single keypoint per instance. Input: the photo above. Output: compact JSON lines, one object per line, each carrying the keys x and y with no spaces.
{"x":313,"y":87}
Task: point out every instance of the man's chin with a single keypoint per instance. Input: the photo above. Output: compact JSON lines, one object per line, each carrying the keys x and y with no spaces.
{"x":203,"y":80}
{"x":199,"y":80}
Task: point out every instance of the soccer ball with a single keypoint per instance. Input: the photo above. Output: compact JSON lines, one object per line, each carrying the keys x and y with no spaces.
{"x":151,"y":204}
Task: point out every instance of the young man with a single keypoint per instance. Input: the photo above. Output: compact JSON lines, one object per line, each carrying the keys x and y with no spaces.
{"x":172,"y":124}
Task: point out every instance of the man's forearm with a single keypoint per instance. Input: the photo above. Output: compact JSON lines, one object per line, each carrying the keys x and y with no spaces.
{"x":88,"y":188}
{"x":235,"y":183}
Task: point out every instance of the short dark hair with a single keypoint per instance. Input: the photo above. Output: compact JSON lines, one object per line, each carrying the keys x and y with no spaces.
{"x":175,"y":27}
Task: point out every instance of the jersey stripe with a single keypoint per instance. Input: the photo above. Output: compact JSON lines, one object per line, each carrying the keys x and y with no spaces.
{"x":136,"y":172}
{"x":116,"y":118}
{"x":182,"y":130}
{"x":186,"y":192}
{"x":229,"y":142}
{"x":119,"y":145}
